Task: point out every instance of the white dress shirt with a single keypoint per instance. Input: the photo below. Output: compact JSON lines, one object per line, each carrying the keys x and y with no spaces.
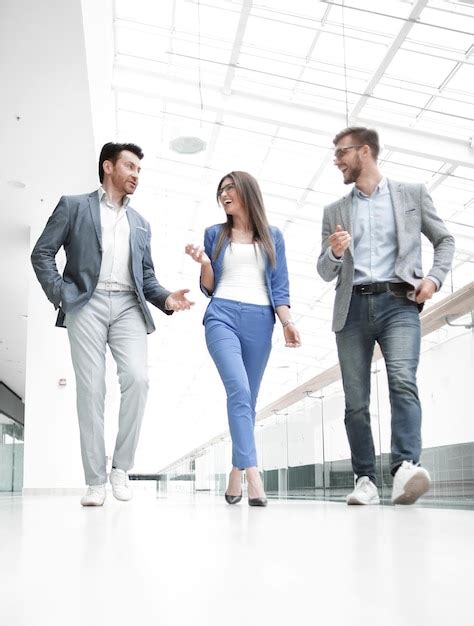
{"x":115,"y":266}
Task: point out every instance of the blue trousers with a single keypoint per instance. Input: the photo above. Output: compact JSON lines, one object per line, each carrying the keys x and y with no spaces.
{"x":392,"y":321}
{"x":239,"y":340}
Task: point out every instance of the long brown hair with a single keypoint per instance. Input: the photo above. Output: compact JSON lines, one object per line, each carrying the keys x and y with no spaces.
{"x":250,"y":196}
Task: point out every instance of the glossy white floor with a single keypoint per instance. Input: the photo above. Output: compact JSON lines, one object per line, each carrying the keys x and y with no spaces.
{"x":184,"y":560}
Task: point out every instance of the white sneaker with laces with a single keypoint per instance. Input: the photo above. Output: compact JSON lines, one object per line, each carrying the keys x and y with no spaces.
{"x":94,"y":496}
{"x":365,"y":492}
{"x":409,"y":483}
{"x":120,"y":486}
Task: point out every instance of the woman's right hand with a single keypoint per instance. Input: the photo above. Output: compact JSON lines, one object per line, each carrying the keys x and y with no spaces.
{"x":197,"y":254}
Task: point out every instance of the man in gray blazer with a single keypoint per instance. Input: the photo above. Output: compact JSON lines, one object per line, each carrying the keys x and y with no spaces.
{"x":101,"y":297}
{"x":371,"y":243}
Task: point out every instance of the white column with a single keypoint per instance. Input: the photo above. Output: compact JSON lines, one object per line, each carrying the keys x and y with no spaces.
{"x":48,"y":142}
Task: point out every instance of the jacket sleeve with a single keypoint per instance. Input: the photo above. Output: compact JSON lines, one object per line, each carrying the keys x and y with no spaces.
{"x":152,"y":290}
{"x":43,"y":257}
{"x":279,"y":278}
{"x":433,"y":227}
{"x":208,"y":245}
{"x":328,"y":267}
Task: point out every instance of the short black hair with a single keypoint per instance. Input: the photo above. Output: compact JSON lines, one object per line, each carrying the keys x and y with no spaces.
{"x":111,"y":152}
{"x":364,"y":136}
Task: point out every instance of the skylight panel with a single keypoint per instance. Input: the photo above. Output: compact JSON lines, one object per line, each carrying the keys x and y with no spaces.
{"x":463,"y":79}
{"x":418,"y":67}
{"x":205,"y":20}
{"x":155,"y":13}
{"x":279,"y":35}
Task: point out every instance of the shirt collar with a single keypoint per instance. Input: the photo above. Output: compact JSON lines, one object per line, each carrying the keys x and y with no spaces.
{"x":102,"y":193}
{"x":382,"y":186}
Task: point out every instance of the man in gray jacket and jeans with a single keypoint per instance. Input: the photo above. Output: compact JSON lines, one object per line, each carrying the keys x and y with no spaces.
{"x":101,"y":297}
{"x":371,"y":243}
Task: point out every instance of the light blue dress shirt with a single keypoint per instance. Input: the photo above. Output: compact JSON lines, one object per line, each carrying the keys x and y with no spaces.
{"x":374,"y":236}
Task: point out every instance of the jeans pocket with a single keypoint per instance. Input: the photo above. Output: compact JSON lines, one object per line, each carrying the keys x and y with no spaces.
{"x":400,"y":296}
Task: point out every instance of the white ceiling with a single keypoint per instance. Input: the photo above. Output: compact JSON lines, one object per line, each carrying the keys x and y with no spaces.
{"x":267,"y":85}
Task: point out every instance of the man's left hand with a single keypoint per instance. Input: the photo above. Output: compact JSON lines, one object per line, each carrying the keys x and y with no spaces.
{"x":425,"y":290}
{"x":177,"y":301}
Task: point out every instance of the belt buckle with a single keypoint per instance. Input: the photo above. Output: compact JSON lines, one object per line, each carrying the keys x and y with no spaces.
{"x":109,"y":286}
{"x":366,"y":290}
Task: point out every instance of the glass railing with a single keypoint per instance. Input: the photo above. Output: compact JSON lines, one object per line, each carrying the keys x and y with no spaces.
{"x":11,"y":454}
{"x":301,"y":440}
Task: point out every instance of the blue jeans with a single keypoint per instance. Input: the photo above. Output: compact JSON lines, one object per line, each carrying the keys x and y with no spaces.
{"x":239,"y":340}
{"x":392,"y":321}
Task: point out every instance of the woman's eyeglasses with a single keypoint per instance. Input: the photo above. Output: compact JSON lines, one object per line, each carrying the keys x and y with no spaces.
{"x":226,"y":188}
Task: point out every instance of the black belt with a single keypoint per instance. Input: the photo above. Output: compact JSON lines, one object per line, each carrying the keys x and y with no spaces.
{"x":372,"y":288}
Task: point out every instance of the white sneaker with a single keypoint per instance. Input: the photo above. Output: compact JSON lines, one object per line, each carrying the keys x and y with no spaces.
{"x":95,"y":496}
{"x":120,"y":487}
{"x":409,"y":483}
{"x":365,"y":492}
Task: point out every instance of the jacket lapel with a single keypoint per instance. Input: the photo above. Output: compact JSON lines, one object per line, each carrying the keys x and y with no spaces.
{"x":345,"y":208}
{"x":396,"y":194}
{"x":220,"y":259}
{"x":133,"y":223}
{"x":95,"y":213}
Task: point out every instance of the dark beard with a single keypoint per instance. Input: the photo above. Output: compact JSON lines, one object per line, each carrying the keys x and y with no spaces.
{"x":353,"y":172}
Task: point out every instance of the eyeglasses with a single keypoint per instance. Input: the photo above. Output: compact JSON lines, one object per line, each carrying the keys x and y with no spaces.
{"x":340,"y":152}
{"x":226,"y":188}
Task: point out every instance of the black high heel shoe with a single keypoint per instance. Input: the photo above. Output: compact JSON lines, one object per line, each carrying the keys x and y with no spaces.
{"x":261,"y":501}
{"x":232,"y":499}
{"x":258,"y":502}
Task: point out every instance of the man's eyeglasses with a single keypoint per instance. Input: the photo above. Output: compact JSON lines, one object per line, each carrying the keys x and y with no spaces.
{"x":226,"y":188}
{"x":340,"y":152}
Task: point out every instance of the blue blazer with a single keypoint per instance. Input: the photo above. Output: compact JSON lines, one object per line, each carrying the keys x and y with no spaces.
{"x":276,"y":278}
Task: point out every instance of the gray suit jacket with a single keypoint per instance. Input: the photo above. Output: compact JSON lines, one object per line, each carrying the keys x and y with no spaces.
{"x":75,"y":224}
{"x":414,"y":214}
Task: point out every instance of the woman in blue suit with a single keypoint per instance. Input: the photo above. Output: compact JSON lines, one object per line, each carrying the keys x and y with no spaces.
{"x":243,"y":270}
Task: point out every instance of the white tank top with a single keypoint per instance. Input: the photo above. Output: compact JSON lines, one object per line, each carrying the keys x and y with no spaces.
{"x":243,"y":274}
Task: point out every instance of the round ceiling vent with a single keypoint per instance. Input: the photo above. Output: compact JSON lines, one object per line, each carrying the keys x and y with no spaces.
{"x":187,"y":145}
{"x":16,"y":184}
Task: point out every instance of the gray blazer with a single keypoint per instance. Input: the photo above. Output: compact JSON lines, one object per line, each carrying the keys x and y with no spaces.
{"x":75,"y":224}
{"x":414,"y":214}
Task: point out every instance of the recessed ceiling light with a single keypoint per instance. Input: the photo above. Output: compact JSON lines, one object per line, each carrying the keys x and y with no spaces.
{"x":17,"y":184}
{"x":187,"y":145}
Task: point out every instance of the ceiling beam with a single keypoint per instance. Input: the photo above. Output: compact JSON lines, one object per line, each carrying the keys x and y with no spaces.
{"x":311,"y":48}
{"x":239,"y":36}
{"x":389,"y":56}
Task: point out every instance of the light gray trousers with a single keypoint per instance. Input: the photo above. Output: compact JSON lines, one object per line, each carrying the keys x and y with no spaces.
{"x":112,"y":318}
